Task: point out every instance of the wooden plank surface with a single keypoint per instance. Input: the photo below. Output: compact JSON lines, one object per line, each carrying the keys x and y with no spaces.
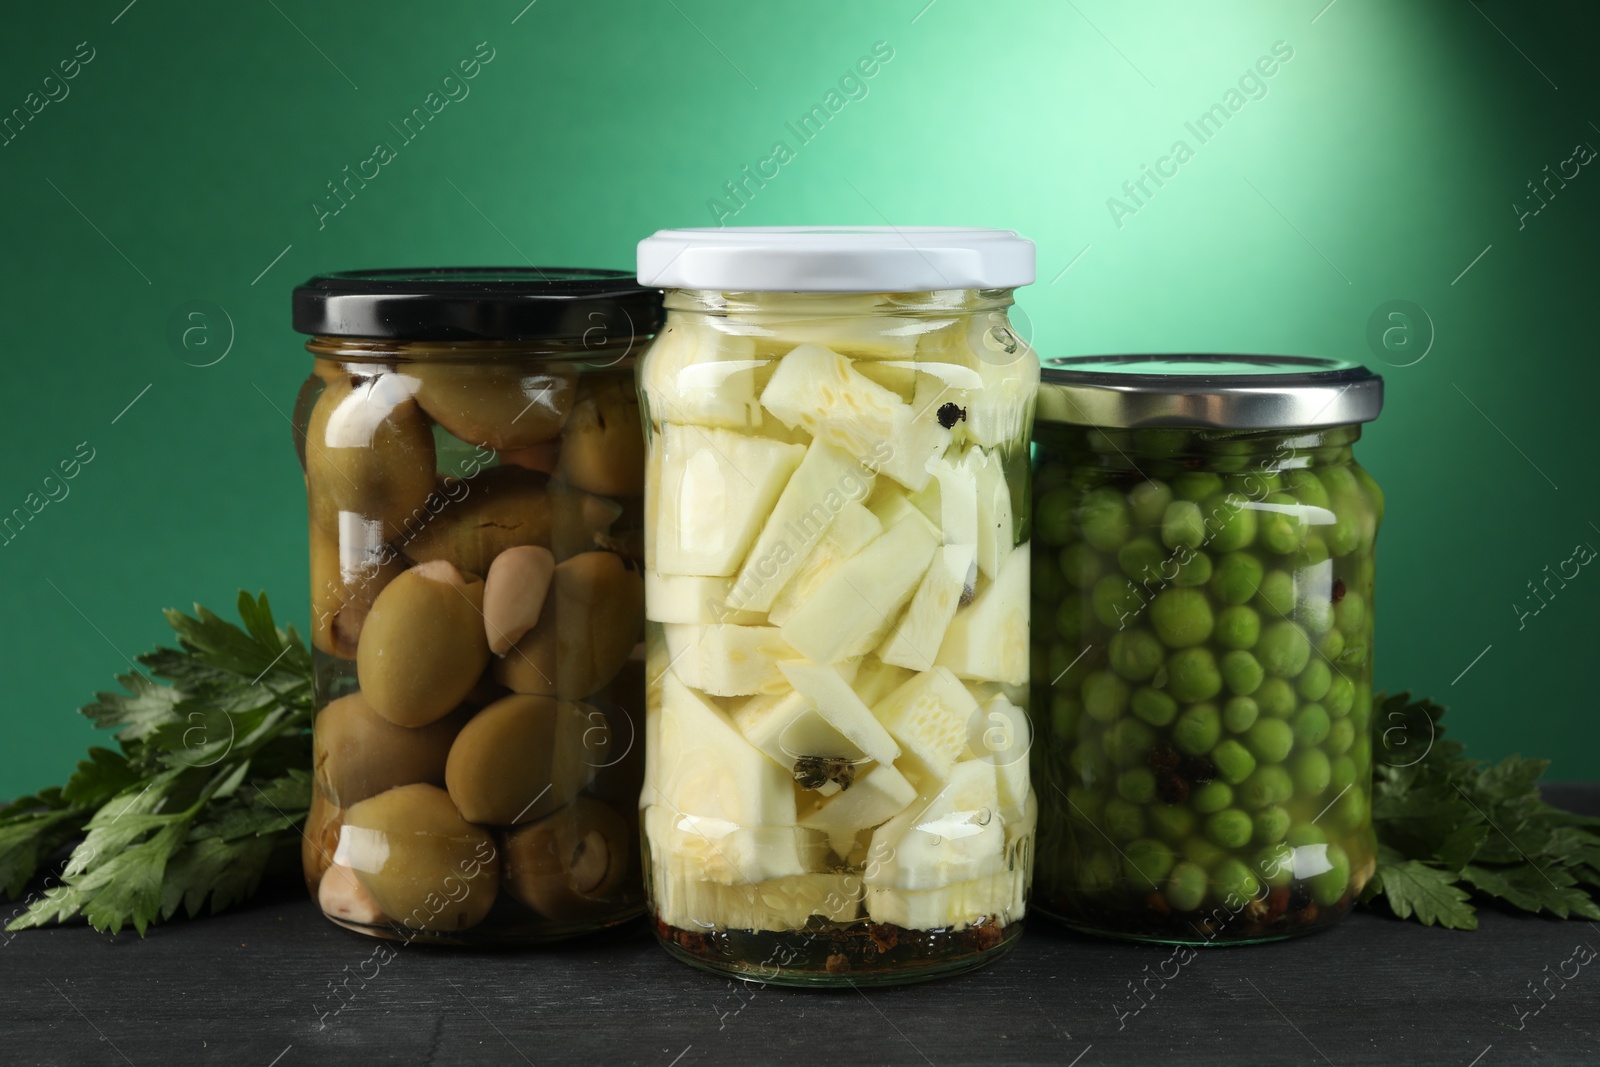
{"x":256,"y":987}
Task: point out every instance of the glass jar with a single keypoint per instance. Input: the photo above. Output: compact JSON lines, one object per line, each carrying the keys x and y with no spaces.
{"x":836,"y":585}
{"x":1203,"y":566}
{"x":474,"y":465}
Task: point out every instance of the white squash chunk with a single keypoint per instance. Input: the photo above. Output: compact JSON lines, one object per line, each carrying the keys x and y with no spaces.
{"x":856,"y":604}
{"x":988,"y":639}
{"x":853,"y":529}
{"x":716,"y":487}
{"x":725,"y":659}
{"x":705,"y":767}
{"x":915,"y":639}
{"x":873,"y":798}
{"x":998,"y":396}
{"x":956,"y":836}
{"x":876,"y":680}
{"x":930,"y":717}
{"x":899,"y":376}
{"x":834,"y":700}
{"x":787,"y":726}
{"x":699,"y":375}
{"x":692,"y":598}
{"x":994,"y":898}
{"x":1001,"y":735}
{"x":996,"y":528}
{"x":826,"y":480}
{"x":958,"y":501}
{"x":779,"y":904}
{"x":731,"y":853}
{"x":892,"y":505}
{"x":865,"y":337}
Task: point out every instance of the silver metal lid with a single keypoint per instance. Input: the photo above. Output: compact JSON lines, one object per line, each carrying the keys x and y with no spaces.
{"x":1219,"y":391}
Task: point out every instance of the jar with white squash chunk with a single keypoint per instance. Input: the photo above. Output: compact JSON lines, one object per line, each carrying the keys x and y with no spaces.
{"x":474,"y":464}
{"x":836,"y":593}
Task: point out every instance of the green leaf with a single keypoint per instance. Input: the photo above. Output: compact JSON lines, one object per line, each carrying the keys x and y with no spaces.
{"x":1553,"y":889}
{"x":1413,"y":888}
{"x":28,"y":840}
{"x":99,"y":778}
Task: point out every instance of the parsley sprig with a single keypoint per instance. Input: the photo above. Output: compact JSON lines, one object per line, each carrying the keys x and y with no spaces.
{"x":1452,"y":830}
{"x":205,"y":795}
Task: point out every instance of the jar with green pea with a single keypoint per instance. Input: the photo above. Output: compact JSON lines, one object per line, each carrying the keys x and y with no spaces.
{"x":1203,"y":560}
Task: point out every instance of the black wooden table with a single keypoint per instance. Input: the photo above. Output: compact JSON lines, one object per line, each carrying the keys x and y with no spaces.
{"x":275,"y":984}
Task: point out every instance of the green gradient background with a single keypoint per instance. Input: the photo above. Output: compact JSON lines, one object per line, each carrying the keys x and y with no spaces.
{"x":1384,"y":159}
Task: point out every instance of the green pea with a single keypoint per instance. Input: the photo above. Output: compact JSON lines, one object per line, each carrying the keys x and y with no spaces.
{"x":1154,"y":706}
{"x":1137,"y":785}
{"x":1254,"y":485}
{"x":1341,"y":695}
{"x":1116,"y":601}
{"x":1275,"y":698}
{"x":1229,"y":828}
{"x":1147,"y":861}
{"x":1313,"y":682}
{"x":1052,"y":516}
{"x":1331,"y":645}
{"x":1160,"y":442}
{"x":1099,"y":873}
{"x":1141,"y":559}
{"x":1081,"y":565}
{"x":1311,"y":725}
{"x":1313,"y":611}
{"x":1212,"y":796}
{"x":1361,"y":751}
{"x":1105,"y":696}
{"x":1284,"y":649}
{"x":1343,"y":774}
{"x":1340,"y":736}
{"x":1351,"y":613}
{"x":1276,"y":594}
{"x":1199,"y":849}
{"x":1170,"y":822}
{"x":1241,"y":672}
{"x":1069,"y":619}
{"x":1361,"y":707}
{"x":1236,"y":577}
{"x":1065,"y":710}
{"x":1068,"y":667}
{"x":1306,"y":488}
{"x":1183,"y":525}
{"x":1329,"y":886}
{"x":1239,"y":713}
{"x":1313,"y":772}
{"x":1234,"y":761}
{"x":1084,"y":805}
{"x":1312,"y":553}
{"x":1269,"y":825}
{"x":1196,"y":485}
{"x":1194,"y":571}
{"x":1197,"y":729}
{"x":1306,"y":833}
{"x":1181,"y":617}
{"x":1275,"y":865}
{"x":1234,"y":883}
{"x":1128,"y":741}
{"x":1047,"y":475}
{"x":1349,"y":812}
{"x":1089,"y":763}
{"x":1103,"y":519}
{"x":1281,"y":532}
{"x":1148,"y":501}
{"x":1233,"y":524}
{"x":1193,"y":675}
{"x":1266,"y":786}
{"x":1238,"y":627}
{"x":1186,"y":886}
{"x":1270,"y":740}
{"x":1123,"y":819}
{"x":1136,"y":654}
{"x":1374,"y":494}
{"x":1354,"y":656}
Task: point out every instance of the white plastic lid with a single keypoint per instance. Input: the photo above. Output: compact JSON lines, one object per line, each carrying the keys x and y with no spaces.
{"x":835,"y":259}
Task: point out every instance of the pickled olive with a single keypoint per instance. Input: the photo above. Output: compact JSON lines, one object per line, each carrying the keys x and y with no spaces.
{"x":581,"y":644}
{"x":425,"y":865}
{"x":369,"y":456}
{"x":320,"y":838}
{"x":579,"y":520}
{"x":602,"y":443}
{"x":345,"y":580}
{"x":423,"y":647}
{"x":514,"y":593}
{"x":522,"y":757}
{"x":568,"y":865}
{"x":358,"y":753}
{"x":341,"y":895}
{"x":502,"y":406}
{"x":471,"y":521}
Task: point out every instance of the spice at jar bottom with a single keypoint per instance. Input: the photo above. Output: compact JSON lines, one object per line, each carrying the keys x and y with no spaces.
{"x":474,"y":465}
{"x":837,"y":593}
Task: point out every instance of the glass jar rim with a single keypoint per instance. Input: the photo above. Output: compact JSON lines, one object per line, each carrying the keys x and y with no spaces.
{"x":1207,"y":390}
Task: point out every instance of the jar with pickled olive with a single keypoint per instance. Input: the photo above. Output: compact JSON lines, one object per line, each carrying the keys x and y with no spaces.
{"x":836,"y":588}
{"x":474,"y":466}
{"x":1203,"y":559}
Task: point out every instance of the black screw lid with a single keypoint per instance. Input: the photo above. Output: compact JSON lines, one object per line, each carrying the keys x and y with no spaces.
{"x":478,"y":304}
